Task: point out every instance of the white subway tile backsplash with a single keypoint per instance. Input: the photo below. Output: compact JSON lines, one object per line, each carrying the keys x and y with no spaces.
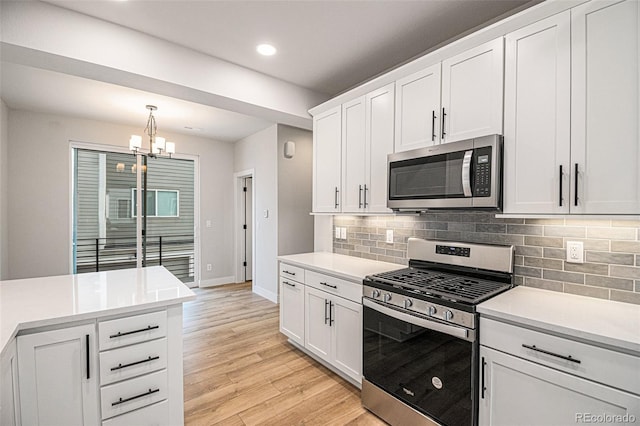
{"x":612,"y":248}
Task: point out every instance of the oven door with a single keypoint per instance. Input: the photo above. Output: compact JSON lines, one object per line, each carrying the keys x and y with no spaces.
{"x":428,"y":365}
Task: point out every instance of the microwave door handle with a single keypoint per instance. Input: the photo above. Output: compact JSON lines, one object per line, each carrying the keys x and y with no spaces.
{"x":466,"y":173}
{"x":451,"y":330}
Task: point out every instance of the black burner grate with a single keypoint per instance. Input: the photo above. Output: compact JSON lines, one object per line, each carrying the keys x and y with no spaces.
{"x":455,"y":287}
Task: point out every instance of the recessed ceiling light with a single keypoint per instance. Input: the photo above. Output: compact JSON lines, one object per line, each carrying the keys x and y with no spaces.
{"x":266,"y":49}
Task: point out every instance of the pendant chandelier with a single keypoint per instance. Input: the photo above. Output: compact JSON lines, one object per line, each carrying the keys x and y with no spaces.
{"x":158,"y":146}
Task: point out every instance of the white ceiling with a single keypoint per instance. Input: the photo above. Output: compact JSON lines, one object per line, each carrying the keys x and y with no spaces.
{"x":325,"y":46}
{"x":47,"y":91}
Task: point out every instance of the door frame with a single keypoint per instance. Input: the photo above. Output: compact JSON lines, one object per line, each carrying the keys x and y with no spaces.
{"x":238,"y":221}
{"x":74,"y":144}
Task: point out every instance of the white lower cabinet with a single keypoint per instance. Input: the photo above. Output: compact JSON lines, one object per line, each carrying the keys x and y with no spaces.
{"x":334,"y":331}
{"x":120,"y":371}
{"x":292,"y":310}
{"x":9,"y":401}
{"x":347,"y":337}
{"x":521,"y":392}
{"x":318,"y":323}
{"x":133,"y":365}
{"x":58,"y":377}
{"x":324,"y":317}
{"x":532,"y":378}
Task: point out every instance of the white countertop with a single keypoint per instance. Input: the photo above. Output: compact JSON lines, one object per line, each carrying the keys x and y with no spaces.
{"x":38,"y":302}
{"x":347,"y":267}
{"x":609,"y":323}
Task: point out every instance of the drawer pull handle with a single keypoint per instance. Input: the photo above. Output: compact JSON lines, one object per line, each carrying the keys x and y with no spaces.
{"x":290,"y":273}
{"x":288,"y":283}
{"x":126,"y":333}
{"x":329,"y":285}
{"x":120,"y":366}
{"x":567,"y":358}
{"x":122,"y":401}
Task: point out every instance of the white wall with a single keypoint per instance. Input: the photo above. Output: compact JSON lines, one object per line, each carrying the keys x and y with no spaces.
{"x":258,"y":152}
{"x":39,"y":194}
{"x":295,"y":224}
{"x":4,"y":229}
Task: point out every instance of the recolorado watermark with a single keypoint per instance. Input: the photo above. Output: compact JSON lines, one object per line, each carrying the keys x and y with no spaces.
{"x":605,"y":418}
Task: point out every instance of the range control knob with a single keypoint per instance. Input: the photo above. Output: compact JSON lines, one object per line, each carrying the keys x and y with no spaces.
{"x":447,"y":315}
{"x":387,"y":297}
{"x":408,"y":303}
{"x":375,"y":294}
{"x":432,"y":310}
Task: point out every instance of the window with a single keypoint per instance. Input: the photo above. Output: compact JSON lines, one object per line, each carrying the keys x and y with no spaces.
{"x":160,"y":203}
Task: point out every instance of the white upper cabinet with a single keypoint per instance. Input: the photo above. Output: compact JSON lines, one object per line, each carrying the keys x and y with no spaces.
{"x":327,"y":132}
{"x":379,"y":135}
{"x":367,"y":128}
{"x":605,"y":146}
{"x":418,"y":110}
{"x":537,"y":117}
{"x":353,"y":155}
{"x":472,"y":92}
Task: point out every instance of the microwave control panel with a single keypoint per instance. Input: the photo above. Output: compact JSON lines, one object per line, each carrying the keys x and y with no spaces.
{"x":482,"y":172}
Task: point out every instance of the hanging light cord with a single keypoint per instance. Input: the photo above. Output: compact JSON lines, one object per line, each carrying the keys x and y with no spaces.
{"x":151,"y":128}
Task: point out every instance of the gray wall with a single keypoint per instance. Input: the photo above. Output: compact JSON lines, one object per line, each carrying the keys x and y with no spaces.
{"x":38,"y":196}
{"x":258,"y":152}
{"x":612,"y":247}
{"x":295,"y":224}
{"x":4,"y":230}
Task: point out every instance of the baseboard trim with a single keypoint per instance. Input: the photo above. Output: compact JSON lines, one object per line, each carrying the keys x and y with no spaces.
{"x":217,"y":281}
{"x":269,"y":295}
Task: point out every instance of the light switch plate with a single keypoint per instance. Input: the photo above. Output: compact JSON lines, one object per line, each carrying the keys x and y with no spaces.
{"x":337,"y":232}
{"x":343,"y":232}
{"x":390,"y":235}
{"x":575,"y":251}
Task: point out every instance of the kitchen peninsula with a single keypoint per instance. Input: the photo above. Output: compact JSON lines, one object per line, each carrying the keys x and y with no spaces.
{"x":103,"y":347}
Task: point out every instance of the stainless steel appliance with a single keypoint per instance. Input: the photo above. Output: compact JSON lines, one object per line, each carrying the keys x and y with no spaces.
{"x":420,"y":332}
{"x":464,"y":174}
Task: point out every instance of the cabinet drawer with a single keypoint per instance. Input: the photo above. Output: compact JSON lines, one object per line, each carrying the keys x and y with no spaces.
{"x":133,"y":394}
{"x":130,"y":330}
{"x":342,"y":288}
{"x":131,"y":361}
{"x":598,"y":364}
{"x":153,"y":415}
{"x":292,"y":272}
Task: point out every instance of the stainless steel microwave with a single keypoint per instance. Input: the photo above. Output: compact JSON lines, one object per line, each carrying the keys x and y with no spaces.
{"x":458,"y":175}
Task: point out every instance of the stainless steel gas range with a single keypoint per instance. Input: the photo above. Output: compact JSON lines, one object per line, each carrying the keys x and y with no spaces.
{"x":420,"y":337}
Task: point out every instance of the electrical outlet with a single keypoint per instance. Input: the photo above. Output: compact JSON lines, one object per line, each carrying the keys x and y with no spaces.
{"x":575,"y":251}
{"x":337,"y":232}
{"x":343,"y":232}
{"x":209,"y":267}
{"x":390,"y":235}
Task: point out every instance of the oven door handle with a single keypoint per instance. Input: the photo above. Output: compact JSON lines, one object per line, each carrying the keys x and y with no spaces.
{"x":451,"y":330}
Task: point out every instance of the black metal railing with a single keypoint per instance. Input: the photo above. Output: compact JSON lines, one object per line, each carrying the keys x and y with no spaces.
{"x":174,"y":252}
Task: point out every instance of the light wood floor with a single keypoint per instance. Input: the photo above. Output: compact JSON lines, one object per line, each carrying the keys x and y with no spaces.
{"x":239,"y":369}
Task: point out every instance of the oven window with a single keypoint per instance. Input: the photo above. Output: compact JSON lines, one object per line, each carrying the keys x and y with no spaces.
{"x":429,"y":370}
{"x":438,"y":176}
